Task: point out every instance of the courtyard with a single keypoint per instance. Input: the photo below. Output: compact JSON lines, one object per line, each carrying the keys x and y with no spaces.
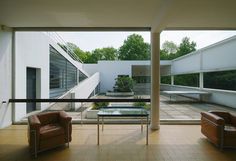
{"x":178,"y":109}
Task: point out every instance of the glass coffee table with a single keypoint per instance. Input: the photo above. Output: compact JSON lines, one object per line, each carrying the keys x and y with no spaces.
{"x":120,"y":112}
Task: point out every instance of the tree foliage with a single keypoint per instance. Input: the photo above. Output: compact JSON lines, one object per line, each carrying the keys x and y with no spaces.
{"x":108,"y":53}
{"x":225,"y":80}
{"x":134,"y":48}
{"x":83,"y":56}
{"x":98,"y":105}
{"x":187,"y":80}
{"x":169,"y":47}
{"x":123,"y":84}
{"x":184,"y":48}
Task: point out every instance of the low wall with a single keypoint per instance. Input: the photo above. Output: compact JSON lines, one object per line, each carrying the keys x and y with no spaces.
{"x":221,"y":97}
{"x":85,"y":88}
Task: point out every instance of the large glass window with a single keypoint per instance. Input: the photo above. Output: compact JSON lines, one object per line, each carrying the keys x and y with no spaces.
{"x":63,"y":74}
{"x":166,"y":79}
{"x":82,"y":76}
{"x":187,"y":80}
{"x":142,"y":79}
{"x":225,"y":80}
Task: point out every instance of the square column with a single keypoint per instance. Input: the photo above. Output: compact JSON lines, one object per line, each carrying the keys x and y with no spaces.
{"x":155,"y":81}
{"x":172,"y":80}
{"x":201,"y":85}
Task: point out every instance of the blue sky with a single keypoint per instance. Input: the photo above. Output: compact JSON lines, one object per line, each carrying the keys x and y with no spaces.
{"x":89,"y":41}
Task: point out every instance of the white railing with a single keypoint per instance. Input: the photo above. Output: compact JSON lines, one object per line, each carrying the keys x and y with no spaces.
{"x":63,"y":44}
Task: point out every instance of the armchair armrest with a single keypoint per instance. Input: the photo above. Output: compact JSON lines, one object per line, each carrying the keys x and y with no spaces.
{"x":213,"y":118}
{"x":212,"y":127}
{"x":34,"y":122}
{"x":233,"y":119}
{"x":33,"y":133}
{"x":65,"y":121}
{"x":222,"y":114}
{"x":64,"y":116}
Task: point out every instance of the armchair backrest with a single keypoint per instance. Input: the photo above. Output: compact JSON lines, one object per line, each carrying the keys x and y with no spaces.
{"x":233,"y":119}
{"x":49,"y":118}
{"x":225,"y":115}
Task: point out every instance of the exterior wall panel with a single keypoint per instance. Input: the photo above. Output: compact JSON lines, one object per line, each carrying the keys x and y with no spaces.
{"x":33,"y":50}
{"x":5,"y":79}
{"x":188,"y":64}
{"x":220,"y":57}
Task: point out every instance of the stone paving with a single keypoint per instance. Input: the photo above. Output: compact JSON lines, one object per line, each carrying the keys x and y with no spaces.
{"x":187,"y":109}
{"x":179,"y":108}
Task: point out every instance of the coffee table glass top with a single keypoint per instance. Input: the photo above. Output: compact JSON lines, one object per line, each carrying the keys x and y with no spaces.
{"x":123,"y":111}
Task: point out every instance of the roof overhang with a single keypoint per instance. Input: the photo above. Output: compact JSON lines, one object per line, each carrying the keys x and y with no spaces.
{"x":118,"y":14}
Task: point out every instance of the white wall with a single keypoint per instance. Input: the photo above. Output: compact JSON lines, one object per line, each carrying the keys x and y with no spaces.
{"x":86,"y":87}
{"x":216,"y":57}
{"x":221,"y":97}
{"x":188,"y":64}
{"x":219,"y":56}
{"x":90,"y":68}
{"x":5,"y":79}
{"x":110,"y":69}
{"x":32,"y":50}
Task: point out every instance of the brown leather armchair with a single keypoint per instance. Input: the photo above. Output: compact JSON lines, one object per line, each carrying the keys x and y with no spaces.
{"x":48,"y":130}
{"x":219,"y":128}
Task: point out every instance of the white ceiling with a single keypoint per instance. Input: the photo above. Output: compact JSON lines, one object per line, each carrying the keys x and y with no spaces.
{"x":158,"y":14}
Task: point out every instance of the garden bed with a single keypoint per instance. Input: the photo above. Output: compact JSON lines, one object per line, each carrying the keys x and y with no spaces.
{"x":116,"y":94}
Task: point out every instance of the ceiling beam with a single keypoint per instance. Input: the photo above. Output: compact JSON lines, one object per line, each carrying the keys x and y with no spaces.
{"x":92,"y":29}
{"x":200,"y":28}
{"x":158,"y":21}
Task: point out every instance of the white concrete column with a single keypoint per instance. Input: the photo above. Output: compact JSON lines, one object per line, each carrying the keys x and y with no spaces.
{"x":6,"y":41}
{"x":201,"y":80}
{"x":155,"y":81}
{"x":172,"y":80}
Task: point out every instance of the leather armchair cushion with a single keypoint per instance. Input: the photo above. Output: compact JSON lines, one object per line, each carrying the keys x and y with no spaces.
{"x":230,"y":136}
{"x":230,"y":131}
{"x":48,"y":118}
{"x":54,"y":141}
{"x":51,"y":130}
{"x":233,"y":119}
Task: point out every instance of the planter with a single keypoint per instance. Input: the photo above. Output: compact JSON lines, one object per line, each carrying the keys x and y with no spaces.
{"x":123,"y":94}
{"x":91,"y":114}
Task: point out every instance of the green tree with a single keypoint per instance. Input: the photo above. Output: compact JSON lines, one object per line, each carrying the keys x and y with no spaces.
{"x":108,"y":53}
{"x":164,"y":55}
{"x":134,"y":48}
{"x":169,"y":47}
{"x":83,"y":56}
{"x":123,"y":84}
{"x":186,"y":47}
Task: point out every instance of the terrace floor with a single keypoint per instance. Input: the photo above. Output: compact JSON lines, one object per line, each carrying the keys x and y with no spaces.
{"x":179,"y":108}
{"x":119,"y":143}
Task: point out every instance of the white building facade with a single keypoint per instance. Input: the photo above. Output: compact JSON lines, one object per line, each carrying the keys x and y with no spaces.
{"x":32,"y":52}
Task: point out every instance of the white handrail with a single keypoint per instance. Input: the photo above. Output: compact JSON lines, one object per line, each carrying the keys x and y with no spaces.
{"x":61,"y":42}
